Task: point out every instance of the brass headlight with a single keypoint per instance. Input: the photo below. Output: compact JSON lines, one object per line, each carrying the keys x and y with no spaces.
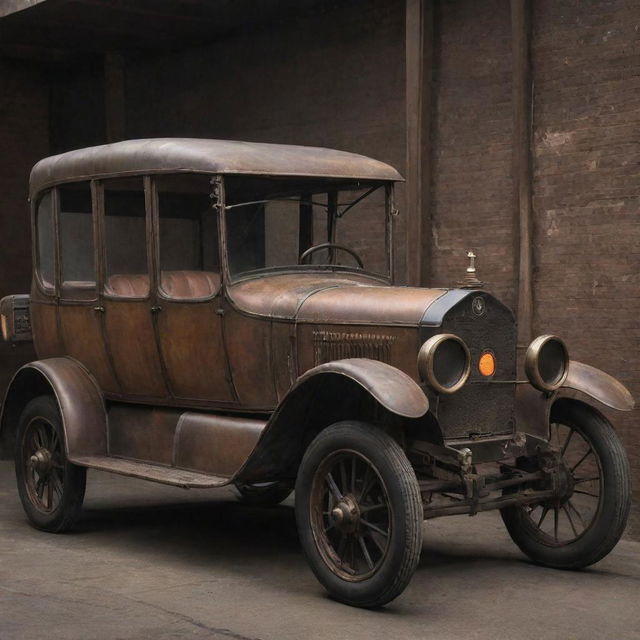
{"x":444,"y":363}
{"x":546,"y":363}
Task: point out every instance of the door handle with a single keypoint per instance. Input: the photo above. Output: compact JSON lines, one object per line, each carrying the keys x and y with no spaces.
{"x":156,"y":309}
{"x":99,"y":309}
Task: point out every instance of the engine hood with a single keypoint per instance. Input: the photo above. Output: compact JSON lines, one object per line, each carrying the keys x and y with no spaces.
{"x":334,"y":298}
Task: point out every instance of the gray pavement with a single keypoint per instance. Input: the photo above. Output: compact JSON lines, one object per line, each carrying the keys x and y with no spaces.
{"x":153,"y":562}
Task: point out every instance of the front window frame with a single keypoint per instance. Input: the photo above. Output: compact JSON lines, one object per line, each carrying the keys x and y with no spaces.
{"x":390,"y":214}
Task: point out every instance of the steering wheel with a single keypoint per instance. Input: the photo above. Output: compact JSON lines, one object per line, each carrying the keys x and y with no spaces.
{"x":330,"y":245}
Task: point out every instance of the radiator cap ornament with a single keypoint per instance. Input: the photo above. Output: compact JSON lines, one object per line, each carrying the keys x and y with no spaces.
{"x":470,"y":279}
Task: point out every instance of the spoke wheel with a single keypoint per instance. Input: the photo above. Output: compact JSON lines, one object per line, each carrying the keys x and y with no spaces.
{"x":586,"y":519}
{"x":43,"y":457}
{"x":51,"y":488}
{"x":351,"y":516}
{"x":359,"y":514}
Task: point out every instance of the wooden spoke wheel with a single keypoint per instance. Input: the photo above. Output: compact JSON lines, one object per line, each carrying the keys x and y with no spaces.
{"x":51,"y":488}
{"x":44,"y":469}
{"x":351,"y":515}
{"x":586,"y":519}
{"x":359,"y":514}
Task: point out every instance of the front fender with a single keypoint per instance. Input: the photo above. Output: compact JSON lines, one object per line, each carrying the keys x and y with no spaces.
{"x":596,"y":384}
{"x":351,"y":389}
{"x":583,"y":382}
{"x":392,"y":388}
{"x":77,"y":394}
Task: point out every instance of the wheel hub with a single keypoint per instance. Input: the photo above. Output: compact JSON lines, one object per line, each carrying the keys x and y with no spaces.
{"x":346,"y":514}
{"x":41,"y":461}
{"x":565,"y":483}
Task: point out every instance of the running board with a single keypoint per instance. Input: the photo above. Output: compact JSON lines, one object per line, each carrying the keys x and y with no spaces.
{"x":153,"y":472}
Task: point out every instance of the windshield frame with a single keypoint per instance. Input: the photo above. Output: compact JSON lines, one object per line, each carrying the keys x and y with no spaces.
{"x":369,"y":186}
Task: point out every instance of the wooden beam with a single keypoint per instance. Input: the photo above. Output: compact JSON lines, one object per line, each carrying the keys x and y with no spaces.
{"x":419,"y":59}
{"x":114,"y":97}
{"x":522,"y":96}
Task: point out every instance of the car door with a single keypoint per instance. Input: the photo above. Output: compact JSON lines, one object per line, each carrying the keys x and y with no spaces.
{"x":80,"y":320}
{"x":189,"y":321}
{"x":129,"y":305}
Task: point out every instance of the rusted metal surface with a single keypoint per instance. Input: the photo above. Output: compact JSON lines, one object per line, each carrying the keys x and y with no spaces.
{"x":15,"y":320}
{"x":172,"y":155}
{"x":376,"y":305}
{"x":214,"y":444}
{"x":281,"y":295}
{"x":598,"y":385}
{"x":77,"y":394}
{"x":204,"y":373}
{"x":392,"y":388}
{"x":142,"y":433}
{"x":44,"y":323}
{"x":153,"y":472}
{"x":81,"y":332}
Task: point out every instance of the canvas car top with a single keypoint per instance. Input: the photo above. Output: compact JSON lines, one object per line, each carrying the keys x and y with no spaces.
{"x":166,"y":155}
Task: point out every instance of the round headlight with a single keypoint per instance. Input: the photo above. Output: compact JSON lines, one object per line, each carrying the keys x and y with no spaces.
{"x":546,"y":363}
{"x":444,"y":363}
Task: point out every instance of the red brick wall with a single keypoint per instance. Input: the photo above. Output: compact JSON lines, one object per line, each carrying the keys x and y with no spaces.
{"x":586,"y":57}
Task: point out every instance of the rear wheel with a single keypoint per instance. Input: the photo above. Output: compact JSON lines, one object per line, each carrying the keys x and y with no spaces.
{"x":581,"y":526}
{"x":51,"y":488}
{"x":359,"y":514}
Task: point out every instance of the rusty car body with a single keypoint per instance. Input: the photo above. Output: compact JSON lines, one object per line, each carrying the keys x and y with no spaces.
{"x":212,"y":312}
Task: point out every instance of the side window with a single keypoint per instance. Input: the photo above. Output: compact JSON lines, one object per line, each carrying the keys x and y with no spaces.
{"x":45,"y":242}
{"x":188,"y":235}
{"x":126,"y":272}
{"x":75,"y":222}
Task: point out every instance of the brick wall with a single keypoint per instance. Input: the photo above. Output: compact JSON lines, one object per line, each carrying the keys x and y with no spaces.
{"x":472,"y":192}
{"x":586,"y":58}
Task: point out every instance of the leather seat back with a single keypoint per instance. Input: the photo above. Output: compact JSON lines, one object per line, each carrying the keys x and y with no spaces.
{"x":181,"y":285}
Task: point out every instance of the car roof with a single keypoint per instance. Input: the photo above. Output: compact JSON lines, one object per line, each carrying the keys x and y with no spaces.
{"x":169,"y":155}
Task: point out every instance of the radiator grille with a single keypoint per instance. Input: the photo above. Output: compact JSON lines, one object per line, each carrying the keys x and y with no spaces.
{"x":337,"y":345}
{"x":481,"y":407}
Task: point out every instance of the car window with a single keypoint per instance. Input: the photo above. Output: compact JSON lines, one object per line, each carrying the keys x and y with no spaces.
{"x":75,"y":221}
{"x":188,"y":237}
{"x":45,"y":242}
{"x":272,"y":225}
{"x":126,"y":273}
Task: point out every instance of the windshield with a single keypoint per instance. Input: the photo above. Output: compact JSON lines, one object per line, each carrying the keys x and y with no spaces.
{"x":274,"y":225}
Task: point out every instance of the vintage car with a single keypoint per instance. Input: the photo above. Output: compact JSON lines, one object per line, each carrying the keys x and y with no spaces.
{"x":211,"y":313}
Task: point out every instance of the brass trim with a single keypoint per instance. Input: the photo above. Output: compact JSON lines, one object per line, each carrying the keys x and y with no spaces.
{"x":531,"y":363}
{"x":426,"y":357}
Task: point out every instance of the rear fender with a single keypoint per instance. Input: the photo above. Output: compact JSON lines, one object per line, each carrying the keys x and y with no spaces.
{"x":79,"y":399}
{"x":351,"y":389}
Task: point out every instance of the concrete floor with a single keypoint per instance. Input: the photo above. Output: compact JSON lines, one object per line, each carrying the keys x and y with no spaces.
{"x":153,"y":562}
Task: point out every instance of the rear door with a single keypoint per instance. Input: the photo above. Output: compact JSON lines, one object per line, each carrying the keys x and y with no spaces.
{"x":129,"y":304}
{"x":80,"y":319}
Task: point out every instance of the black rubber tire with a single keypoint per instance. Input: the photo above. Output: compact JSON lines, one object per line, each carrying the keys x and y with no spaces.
{"x":405,"y":545}
{"x":268,"y":494}
{"x":611,"y":517}
{"x":68,"y":509}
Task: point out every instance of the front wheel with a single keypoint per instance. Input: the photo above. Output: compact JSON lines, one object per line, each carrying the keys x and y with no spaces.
{"x":51,"y":488}
{"x":583,"y":525}
{"x":359,"y":514}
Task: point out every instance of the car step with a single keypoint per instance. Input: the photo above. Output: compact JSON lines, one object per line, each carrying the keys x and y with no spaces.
{"x":153,"y":472}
